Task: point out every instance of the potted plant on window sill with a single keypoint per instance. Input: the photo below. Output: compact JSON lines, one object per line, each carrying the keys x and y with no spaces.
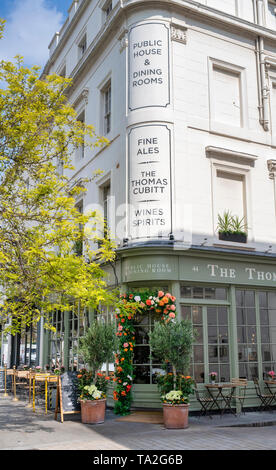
{"x":172,"y":344}
{"x":96,"y":347}
{"x":232,"y":228}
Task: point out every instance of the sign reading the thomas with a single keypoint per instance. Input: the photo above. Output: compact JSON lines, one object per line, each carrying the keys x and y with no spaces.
{"x":149,"y":66}
{"x":149,"y":182}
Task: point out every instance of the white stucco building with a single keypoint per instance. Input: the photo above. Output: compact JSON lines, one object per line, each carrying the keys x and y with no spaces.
{"x":185,"y":91}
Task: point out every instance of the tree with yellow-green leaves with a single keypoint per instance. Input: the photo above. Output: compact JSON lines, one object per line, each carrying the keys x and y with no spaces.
{"x":39,"y":223}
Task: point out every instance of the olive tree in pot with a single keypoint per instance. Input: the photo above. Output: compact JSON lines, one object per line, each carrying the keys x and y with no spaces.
{"x":171,"y":343}
{"x":96,"y":347}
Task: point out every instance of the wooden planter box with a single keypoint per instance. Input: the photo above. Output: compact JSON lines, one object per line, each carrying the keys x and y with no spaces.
{"x":233,"y":237}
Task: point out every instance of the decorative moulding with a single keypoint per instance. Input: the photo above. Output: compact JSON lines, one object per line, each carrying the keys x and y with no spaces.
{"x":179,"y":33}
{"x":221,"y":153}
{"x":123,"y":39}
{"x":82,"y":97}
{"x":271,"y":165}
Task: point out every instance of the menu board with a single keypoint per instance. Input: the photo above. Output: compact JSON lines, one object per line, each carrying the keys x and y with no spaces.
{"x":67,"y":394}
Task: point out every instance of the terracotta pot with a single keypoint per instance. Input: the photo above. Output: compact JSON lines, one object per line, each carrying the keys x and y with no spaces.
{"x":175,"y":416}
{"x":93,"y":411}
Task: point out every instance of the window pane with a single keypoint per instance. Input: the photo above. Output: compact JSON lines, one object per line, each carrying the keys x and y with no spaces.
{"x":222,"y":315}
{"x":199,"y":334}
{"x":212,"y":315}
{"x":212,"y":334}
{"x":142,"y":374}
{"x":210,"y":293}
{"x":199,"y":373}
{"x":141,"y":355}
{"x":198,"y":354}
{"x":198,"y":292}
{"x":241,"y":330}
{"x":249,"y":298}
{"x":221,"y":293}
{"x":224,"y":354}
{"x":241,"y":318}
{"x":185,"y":312}
{"x":264,"y":317}
{"x":186,"y":291}
{"x":197,"y":315}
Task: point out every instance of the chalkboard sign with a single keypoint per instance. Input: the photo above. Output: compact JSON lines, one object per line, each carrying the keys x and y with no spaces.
{"x":67,"y":394}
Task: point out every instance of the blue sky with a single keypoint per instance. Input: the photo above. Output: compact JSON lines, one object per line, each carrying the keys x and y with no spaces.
{"x":30,"y":26}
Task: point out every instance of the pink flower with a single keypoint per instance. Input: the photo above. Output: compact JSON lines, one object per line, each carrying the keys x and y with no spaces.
{"x":168,"y":295}
{"x":160,"y":293}
{"x":125,"y":345}
{"x":172,"y":307}
{"x":120,"y":327}
{"x":172,"y":315}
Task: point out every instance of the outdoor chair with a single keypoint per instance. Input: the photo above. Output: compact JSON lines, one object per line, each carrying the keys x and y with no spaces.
{"x":206,"y":402}
{"x":21,"y":383}
{"x":266,"y":399}
{"x":240,"y":391}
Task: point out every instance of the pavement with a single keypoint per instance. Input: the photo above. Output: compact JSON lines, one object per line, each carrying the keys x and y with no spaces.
{"x":22,"y":429}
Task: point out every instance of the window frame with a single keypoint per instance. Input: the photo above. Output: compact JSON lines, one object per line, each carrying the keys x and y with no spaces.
{"x":215,"y":125}
{"x":106,"y":94}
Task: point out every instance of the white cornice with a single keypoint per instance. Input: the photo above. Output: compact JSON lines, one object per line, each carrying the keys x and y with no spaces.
{"x":221,"y":152}
{"x":117,"y":16}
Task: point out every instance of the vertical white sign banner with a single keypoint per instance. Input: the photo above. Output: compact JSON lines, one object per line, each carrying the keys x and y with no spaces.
{"x":150,"y":182}
{"x":149,"y":65}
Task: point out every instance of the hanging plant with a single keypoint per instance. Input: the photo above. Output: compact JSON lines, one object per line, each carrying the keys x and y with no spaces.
{"x":129,"y":306}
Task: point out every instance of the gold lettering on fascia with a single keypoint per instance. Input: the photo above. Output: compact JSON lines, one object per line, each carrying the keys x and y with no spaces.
{"x":231,"y":273}
{"x":148,"y":268}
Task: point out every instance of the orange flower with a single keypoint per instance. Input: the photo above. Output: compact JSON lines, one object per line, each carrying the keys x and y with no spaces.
{"x":122,"y":359}
{"x":188,"y":377}
{"x":123,"y":393}
{"x":125,"y":349}
{"x":165,"y":300}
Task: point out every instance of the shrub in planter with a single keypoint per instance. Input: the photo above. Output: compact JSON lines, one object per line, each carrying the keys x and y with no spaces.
{"x":232,"y":228}
{"x":96,"y":347}
{"x":93,"y":403}
{"x":172,"y":344}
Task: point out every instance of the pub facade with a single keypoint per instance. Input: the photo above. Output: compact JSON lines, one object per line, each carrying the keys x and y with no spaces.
{"x":185,"y":91}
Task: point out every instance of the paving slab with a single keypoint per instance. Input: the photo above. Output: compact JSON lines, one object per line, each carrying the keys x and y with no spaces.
{"x":22,"y":429}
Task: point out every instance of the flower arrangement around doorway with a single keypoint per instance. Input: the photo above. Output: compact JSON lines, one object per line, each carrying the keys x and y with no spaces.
{"x":96,"y":348}
{"x":161,"y":305}
{"x":213,"y":377}
{"x":172,"y":344}
{"x":232,"y":228}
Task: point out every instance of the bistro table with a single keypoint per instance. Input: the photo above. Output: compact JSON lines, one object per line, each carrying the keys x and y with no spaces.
{"x":222,"y":400}
{"x":271,"y":385}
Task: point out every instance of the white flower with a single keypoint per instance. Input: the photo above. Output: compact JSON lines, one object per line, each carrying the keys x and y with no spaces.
{"x":124,"y":384}
{"x":137,"y":298}
{"x":152,"y":302}
{"x":130,"y":378}
{"x":97,"y":394}
{"x":117,"y":310}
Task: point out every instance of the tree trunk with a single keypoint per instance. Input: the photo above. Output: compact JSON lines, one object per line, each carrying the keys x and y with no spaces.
{"x":174,"y":377}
